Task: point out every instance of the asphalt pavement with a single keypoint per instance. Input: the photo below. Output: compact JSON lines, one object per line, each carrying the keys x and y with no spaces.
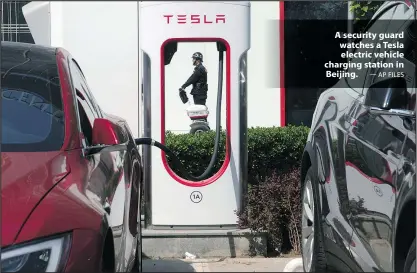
{"x":224,"y":265}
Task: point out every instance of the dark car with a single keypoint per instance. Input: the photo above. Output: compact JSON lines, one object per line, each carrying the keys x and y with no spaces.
{"x":358,"y":167}
{"x":71,"y":174}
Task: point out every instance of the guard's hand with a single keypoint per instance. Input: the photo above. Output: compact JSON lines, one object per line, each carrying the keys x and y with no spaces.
{"x":181,"y":89}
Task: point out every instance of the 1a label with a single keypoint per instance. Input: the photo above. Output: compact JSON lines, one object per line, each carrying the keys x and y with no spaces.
{"x":196,"y":197}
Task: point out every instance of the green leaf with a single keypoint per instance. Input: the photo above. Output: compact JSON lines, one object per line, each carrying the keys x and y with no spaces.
{"x":355,"y":6}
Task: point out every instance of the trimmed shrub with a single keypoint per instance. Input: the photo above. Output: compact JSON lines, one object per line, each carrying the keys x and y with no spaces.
{"x":195,"y":151}
{"x":273,"y":149}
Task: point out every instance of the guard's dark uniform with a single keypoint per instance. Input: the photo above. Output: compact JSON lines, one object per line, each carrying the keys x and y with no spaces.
{"x":199,"y":81}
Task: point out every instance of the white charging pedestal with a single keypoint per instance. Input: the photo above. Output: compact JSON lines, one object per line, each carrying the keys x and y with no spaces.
{"x":173,"y":202}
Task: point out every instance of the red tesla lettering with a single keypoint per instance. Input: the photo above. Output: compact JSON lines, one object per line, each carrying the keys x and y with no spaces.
{"x":205,"y":20}
{"x":220,"y":18}
{"x":182,"y":19}
{"x":195,"y":19}
{"x":168,"y":18}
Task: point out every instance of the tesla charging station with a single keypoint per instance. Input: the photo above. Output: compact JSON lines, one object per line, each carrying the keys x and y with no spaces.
{"x":171,"y":200}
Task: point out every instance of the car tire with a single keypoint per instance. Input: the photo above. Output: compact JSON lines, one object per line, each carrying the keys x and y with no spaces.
{"x":312,"y":248}
{"x":410,"y":261}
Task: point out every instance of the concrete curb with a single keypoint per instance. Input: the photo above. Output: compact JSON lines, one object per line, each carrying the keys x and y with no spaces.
{"x":157,"y":244}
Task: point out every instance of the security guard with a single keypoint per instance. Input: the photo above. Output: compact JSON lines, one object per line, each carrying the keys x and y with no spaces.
{"x":198,"y":79}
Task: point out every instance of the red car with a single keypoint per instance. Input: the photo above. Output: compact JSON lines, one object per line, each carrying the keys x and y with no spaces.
{"x":71,"y":175}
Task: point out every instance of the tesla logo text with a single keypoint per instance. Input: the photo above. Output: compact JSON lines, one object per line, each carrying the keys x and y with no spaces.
{"x":195,"y":19}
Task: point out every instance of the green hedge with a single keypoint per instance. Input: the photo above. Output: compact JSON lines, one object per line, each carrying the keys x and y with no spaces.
{"x":273,"y":149}
{"x":273,"y":199}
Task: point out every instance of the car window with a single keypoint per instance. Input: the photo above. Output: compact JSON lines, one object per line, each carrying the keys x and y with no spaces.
{"x":400,"y":23}
{"x":82,"y":88}
{"x":378,"y":26}
{"x":85,"y":122}
{"x":88,"y":111}
{"x":82,"y":95}
{"x":86,"y":90}
{"x":376,"y":131}
{"x":32,"y":113}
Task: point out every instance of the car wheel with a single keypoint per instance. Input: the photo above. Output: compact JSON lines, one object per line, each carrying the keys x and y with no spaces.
{"x":410,"y":261}
{"x":312,"y":239}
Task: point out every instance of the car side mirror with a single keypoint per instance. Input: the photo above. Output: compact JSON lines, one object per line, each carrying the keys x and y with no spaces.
{"x":104,"y":133}
{"x":389,"y":96}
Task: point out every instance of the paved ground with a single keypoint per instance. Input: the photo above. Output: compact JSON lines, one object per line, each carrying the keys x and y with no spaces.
{"x":221,"y":265}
